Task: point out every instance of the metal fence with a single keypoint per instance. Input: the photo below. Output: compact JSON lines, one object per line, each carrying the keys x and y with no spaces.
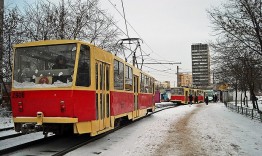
{"x":253,"y":114}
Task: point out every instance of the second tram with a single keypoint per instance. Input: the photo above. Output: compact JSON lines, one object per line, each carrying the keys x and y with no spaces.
{"x":180,"y":95}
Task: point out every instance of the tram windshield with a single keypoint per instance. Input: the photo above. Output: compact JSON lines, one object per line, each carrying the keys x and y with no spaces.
{"x":177,"y":91}
{"x":44,"y":66}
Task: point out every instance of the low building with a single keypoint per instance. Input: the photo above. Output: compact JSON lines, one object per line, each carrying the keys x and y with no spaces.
{"x":185,"y":79}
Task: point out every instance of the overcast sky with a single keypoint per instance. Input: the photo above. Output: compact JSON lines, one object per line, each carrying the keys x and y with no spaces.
{"x":168,"y":28}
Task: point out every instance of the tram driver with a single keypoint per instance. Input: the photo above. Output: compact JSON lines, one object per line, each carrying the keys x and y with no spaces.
{"x":60,"y":63}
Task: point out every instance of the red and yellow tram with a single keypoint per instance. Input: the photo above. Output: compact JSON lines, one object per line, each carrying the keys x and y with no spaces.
{"x":180,"y":95}
{"x":198,"y":95}
{"x":70,"y":85}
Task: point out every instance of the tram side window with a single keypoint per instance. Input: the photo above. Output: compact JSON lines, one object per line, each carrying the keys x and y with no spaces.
{"x":128,"y":78}
{"x":150,"y":87}
{"x":142,"y":83}
{"x":178,"y":91}
{"x":83,"y":71}
{"x":191,"y":92}
{"x":118,"y":75}
{"x":146,"y":90}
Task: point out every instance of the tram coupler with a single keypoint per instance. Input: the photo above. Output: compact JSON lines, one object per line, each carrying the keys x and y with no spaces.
{"x":38,"y":128}
{"x":28,"y":128}
{"x":39,"y":118}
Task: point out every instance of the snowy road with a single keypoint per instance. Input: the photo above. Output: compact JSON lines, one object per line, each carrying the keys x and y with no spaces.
{"x":184,"y":130}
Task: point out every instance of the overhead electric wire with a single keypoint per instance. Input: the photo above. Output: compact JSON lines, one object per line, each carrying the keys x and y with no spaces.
{"x":135,"y":31}
{"x":159,"y":70}
{"x":107,"y":17}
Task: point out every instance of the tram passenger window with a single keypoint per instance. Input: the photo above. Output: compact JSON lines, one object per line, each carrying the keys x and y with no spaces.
{"x":118,"y":75}
{"x":83,"y":71}
{"x":147,"y":86}
{"x":142,"y":83}
{"x":150,"y":87}
{"x":128,"y":78}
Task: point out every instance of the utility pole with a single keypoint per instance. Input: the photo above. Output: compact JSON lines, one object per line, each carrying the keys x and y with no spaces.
{"x":177,"y":69}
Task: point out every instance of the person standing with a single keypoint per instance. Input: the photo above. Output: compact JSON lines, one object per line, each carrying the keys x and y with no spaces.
{"x":190,"y":99}
{"x":215,"y":98}
{"x":206,"y":100}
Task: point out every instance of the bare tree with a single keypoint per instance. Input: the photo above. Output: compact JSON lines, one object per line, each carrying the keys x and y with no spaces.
{"x":1,"y":34}
{"x":241,"y":21}
{"x":238,"y":47}
{"x":45,"y":20}
{"x":13,"y":33}
{"x":71,"y":20}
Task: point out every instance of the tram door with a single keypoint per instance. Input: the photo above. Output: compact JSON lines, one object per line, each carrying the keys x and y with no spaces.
{"x":186,"y":97}
{"x":102,"y":93}
{"x":136,"y":111}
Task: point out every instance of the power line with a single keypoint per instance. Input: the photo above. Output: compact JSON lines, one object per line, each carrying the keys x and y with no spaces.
{"x":133,"y":29}
{"x":107,"y":17}
{"x":164,"y":71}
{"x":163,"y":63}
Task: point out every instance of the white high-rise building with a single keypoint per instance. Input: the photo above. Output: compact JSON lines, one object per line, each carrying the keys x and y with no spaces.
{"x":200,"y":65}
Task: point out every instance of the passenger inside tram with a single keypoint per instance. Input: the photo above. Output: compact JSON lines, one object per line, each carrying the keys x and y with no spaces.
{"x":60,"y":63}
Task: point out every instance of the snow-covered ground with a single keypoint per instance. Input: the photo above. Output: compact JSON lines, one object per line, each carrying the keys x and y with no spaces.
{"x":185,"y":130}
{"x":249,"y":105}
{"x":197,"y":130}
{"x":6,"y":122}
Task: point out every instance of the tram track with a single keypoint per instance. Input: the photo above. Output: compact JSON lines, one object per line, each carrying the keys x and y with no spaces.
{"x":6,"y":129}
{"x":15,"y":148}
{"x":61,"y":153}
{"x":58,"y":146}
{"x":10,"y":136}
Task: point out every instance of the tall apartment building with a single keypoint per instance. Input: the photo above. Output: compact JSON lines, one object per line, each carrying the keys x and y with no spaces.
{"x":200,"y":65}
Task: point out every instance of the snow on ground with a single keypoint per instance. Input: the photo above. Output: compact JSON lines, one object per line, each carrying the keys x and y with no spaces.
{"x":20,"y":140}
{"x":5,"y":119}
{"x":185,"y":130}
{"x":6,"y":122}
{"x":198,"y":130}
{"x":249,"y":105}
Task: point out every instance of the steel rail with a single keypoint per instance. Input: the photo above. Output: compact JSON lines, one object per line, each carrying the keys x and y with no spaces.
{"x":6,"y":129}
{"x":11,"y":136}
{"x":63,"y":152}
{"x":13,"y":149}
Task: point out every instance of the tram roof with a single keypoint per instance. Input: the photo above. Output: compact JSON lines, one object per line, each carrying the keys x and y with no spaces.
{"x":49,"y":42}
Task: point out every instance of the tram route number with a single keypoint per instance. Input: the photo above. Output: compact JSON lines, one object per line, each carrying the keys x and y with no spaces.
{"x":18,"y":95}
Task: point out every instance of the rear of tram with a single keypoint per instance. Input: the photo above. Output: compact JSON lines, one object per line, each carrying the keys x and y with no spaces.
{"x":180,"y":95}
{"x":51,"y":81}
